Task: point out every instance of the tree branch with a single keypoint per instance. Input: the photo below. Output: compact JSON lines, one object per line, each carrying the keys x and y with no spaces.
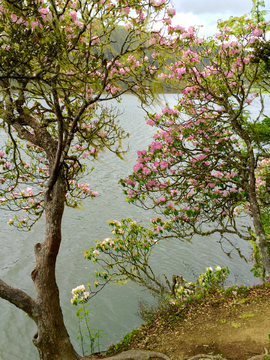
{"x":56,"y":168}
{"x":18,"y":298}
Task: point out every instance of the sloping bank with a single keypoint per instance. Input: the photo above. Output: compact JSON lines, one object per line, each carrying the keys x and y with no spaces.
{"x":232,"y":324}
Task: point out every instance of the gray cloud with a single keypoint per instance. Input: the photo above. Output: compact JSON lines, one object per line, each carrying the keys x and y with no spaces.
{"x":231,"y":7}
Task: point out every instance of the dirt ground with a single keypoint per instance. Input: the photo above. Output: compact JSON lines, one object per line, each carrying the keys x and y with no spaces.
{"x":234,"y":328}
{"x":237,"y":329}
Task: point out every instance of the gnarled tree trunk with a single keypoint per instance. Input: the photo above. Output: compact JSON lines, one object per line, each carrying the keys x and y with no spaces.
{"x":52,"y":339}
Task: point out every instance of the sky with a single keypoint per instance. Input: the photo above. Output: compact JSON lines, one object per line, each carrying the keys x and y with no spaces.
{"x":207,"y":12}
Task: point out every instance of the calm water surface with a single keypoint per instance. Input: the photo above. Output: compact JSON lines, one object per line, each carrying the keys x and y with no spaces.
{"x":114,"y":309}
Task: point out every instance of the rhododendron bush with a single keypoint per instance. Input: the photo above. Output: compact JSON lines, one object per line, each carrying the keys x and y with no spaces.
{"x":61,"y":61}
{"x":199,"y":173}
{"x":208,"y":164}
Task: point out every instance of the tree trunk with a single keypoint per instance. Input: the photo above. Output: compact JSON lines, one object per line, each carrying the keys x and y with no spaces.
{"x":51,"y":339}
{"x":257,"y":221}
{"x":262,"y":245}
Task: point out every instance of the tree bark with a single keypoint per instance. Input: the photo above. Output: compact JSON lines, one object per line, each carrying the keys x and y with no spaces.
{"x":51,"y":339}
{"x":261,"y":238}
{"x":257,"y":221}
{"x":18,"y":298}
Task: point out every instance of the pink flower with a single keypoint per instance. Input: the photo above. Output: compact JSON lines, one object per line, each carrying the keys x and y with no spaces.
{"x":79,"y":23}
{"x":73,"y":15}
{"x":126,"y":9}
{"x":130,"y":182}
{"x":43,"y":11}
{"x":2,"y":153}
{"x":257,"y":32}
{"x":201,"y":157}
{"x":29,"y":191}
{"x":137,"y":167}
{"x":251,"y":40}
{"x":149,"y":184}
{"x":158,"y":229}
{"x":13,"y":17}
{"x":170,"y":205}
{"x":156,"y":145}
{"x":128,"y":25}
{"x":150,"y":122}
{"x":146,"y":171}
{"x":96,"y":252}
{"x":163,"y":164}
{"x":34,"y":24}
{"x":171,"y":12}
{"x":139,"y":152}
{"x":158,"y":2}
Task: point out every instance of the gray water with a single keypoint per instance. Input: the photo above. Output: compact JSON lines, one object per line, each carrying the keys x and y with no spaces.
{"x":114,"y":309}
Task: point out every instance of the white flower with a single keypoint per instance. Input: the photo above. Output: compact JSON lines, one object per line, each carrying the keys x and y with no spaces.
{"x":96,"y":252}
{"x":78,"y":289}
{"x":218,"y":268}
{"x":209,"y":268}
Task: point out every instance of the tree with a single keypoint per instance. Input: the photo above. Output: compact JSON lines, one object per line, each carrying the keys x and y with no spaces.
{"x":60,"y":62}
{"x":208,"y":164}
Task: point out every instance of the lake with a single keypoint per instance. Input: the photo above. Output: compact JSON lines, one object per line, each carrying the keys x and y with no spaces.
{"x":114,"y":308}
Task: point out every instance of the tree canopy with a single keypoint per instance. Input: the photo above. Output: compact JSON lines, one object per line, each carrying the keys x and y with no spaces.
{"x":208,"y":164}
{"x":200,"y":171}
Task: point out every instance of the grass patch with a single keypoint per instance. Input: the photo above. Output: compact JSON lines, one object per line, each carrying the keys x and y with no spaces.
{"x":247,"y":315}
{"x":235,"y":325}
